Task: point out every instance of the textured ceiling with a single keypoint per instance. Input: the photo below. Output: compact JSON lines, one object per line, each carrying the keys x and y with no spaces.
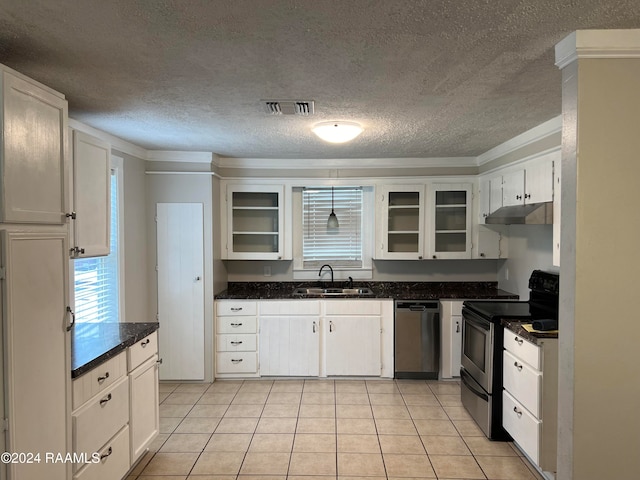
{"x":436,"y":78}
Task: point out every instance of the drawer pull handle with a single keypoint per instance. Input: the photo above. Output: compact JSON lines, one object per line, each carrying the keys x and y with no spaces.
{"x":236,"y":309}
{"x":236,"y":360}
{"x":519,"y":341}
{"x":236,"y":324}
{"x":102,"y":379}
{"x":236,"y":343}
{"x":105,"y":455}
{"x":330,"y":326}
{"x":518,"y":412}
{"x":159,"y":361}
{"x":145,"y":343}
{"x":519,"y":367}
{"x":314,"y":327}
{"x":105,"y":400}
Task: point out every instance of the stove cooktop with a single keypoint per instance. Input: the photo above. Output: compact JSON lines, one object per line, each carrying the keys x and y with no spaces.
{"x":517,"y":310}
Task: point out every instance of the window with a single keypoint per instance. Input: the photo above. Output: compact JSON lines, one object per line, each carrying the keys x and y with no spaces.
{"x":342,"y":248}
{"x":96,"y":279}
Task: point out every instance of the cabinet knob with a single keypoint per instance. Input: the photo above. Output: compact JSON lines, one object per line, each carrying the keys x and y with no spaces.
{"x":481,"y":254}
{"x":518,"y":197}
{"x":518,"y":412}
{"x":71,"y":215}
{"x":518,"y":367}
{"x":434,"y":257}
{"x":145,"y":343}
{"x":527,"y":195}
{"x":519,"y":341}
{"x":457,"y":327}
{"x":420,"y":257}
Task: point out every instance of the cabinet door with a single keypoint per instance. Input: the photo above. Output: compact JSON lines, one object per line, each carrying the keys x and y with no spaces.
{"x":450,"y":221}
{"x":36,"y":350}
{"x":33,"y":153}
{"x":144,"y":422}
{"x":91,"y":195}
{"x":289,"y":345}
{"x":539,"y":181}
{"x":255,"y":222}
{"x":352,"y":345}
{"x":513,"y":188}
{"x":401,"y":222}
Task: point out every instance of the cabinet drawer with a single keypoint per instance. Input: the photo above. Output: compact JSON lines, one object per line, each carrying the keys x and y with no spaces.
{"x":522,"y":349}
{"x":235,"y":308}
{"x":352,"y":307}
{"x":236,"y":325}
{"x":291,"y":307}
{"x":236,"y":343}
{"x":99,"y":379}
{"x":114,"y":460}
{"x":101,"y":418}
{"x":523,"y":382}
{"x":142,"y":350}
{"x":237,"y":362}
{"x":523,"y":427}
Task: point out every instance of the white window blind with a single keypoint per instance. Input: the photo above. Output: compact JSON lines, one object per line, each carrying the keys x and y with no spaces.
{"x":96,"y":279}
{"x":341,"y":248}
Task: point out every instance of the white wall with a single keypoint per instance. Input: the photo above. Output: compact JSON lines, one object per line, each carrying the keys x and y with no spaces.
{"x":530,"y":248}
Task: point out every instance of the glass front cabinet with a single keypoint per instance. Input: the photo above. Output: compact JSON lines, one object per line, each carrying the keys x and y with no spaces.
{"x":255,"y":222}
{"x":401,"y":222}
{"x":449,"y":220}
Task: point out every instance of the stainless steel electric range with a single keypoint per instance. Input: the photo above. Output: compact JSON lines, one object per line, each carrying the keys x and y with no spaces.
{"x":483,"y":342}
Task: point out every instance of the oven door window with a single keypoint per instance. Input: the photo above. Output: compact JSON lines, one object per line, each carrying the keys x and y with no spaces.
{"x":475,"y":342}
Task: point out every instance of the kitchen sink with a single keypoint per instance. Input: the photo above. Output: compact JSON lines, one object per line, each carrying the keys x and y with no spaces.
{"x":332,"y":292}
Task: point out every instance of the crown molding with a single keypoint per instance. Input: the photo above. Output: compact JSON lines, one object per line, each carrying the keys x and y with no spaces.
{"x":598,"y":44}
{"x":180,"y":157}
{"x":115,"y":142}
{"x":346,"y":163}
{"x":543,"y":130}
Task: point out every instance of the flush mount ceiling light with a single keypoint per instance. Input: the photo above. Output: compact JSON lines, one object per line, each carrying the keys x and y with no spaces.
{"x":337,"y":132}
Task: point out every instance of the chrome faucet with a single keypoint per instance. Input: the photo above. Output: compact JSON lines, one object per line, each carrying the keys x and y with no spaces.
{"x":320,"y":272}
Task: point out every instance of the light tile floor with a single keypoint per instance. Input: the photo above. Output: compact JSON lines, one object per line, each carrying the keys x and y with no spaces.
{"x":301,"y":429}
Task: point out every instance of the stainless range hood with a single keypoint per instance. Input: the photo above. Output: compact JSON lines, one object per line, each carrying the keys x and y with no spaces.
{"x":532,"y":214}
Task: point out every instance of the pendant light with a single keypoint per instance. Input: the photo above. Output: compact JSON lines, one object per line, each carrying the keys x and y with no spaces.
{"x":332,"y":222}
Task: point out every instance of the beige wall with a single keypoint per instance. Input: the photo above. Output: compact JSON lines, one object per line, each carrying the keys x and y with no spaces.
{"x":187,"y":188}
{"x":135,"y":241}
{"x":599,"y":382}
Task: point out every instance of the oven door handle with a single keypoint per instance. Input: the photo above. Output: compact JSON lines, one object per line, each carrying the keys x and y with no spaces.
{"x":463,"y":377}
{"x":475,"y":320}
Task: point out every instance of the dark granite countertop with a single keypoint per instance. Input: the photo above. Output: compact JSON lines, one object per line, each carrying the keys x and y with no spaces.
{"x":394,"y":290}
{"x":95,"y":343}
{"x":516,"y":327}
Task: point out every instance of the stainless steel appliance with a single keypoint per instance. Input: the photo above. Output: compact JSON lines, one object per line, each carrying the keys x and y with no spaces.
{"x":417,"y":339}
{"x":483,"y":342}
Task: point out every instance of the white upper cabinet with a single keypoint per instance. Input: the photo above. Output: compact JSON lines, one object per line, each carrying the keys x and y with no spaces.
{"x":33,"y":163}
{"x":91,"y":196}
{"x":449,"y":220}
{"x":255,"y":223}
{"x":531,"y":184}
{"x":488,"y":242}
{"x":400,"y":222}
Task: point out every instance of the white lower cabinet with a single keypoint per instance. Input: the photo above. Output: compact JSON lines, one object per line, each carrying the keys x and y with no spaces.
{"x":236,"y":327}
{"x":450,"y":338}
{"x":530,"y":397}
{"x":306,"y":337}
{"x":116,"y":412}
{"x":144,"y":404}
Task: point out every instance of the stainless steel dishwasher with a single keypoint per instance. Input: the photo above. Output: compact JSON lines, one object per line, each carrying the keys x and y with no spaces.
{"x":417,"y":339}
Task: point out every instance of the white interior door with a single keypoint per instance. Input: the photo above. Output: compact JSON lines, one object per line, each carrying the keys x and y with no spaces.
{"x":180,"y":251}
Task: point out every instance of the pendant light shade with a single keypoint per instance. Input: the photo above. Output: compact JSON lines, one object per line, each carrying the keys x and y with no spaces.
{"x":337,"y":132}
{"x":332,"y":222}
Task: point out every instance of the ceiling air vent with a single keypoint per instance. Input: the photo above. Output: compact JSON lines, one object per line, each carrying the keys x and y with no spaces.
{"x":288,"y":107}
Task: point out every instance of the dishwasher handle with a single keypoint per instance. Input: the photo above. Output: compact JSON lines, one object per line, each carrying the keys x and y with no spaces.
{"x":418,"y":306}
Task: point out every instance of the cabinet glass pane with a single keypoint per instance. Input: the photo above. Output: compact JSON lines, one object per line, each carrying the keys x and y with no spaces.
{"x":250,"y":220}
{"x":451,"y":242}
{"x":255,"y":199}
{"x":403,"y":242}
{"x":451,"y":218}
{"x":451,"y":197}
{"x":255,"y":243}
{"x":404,"y":219}
{"x":404,"y":198}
